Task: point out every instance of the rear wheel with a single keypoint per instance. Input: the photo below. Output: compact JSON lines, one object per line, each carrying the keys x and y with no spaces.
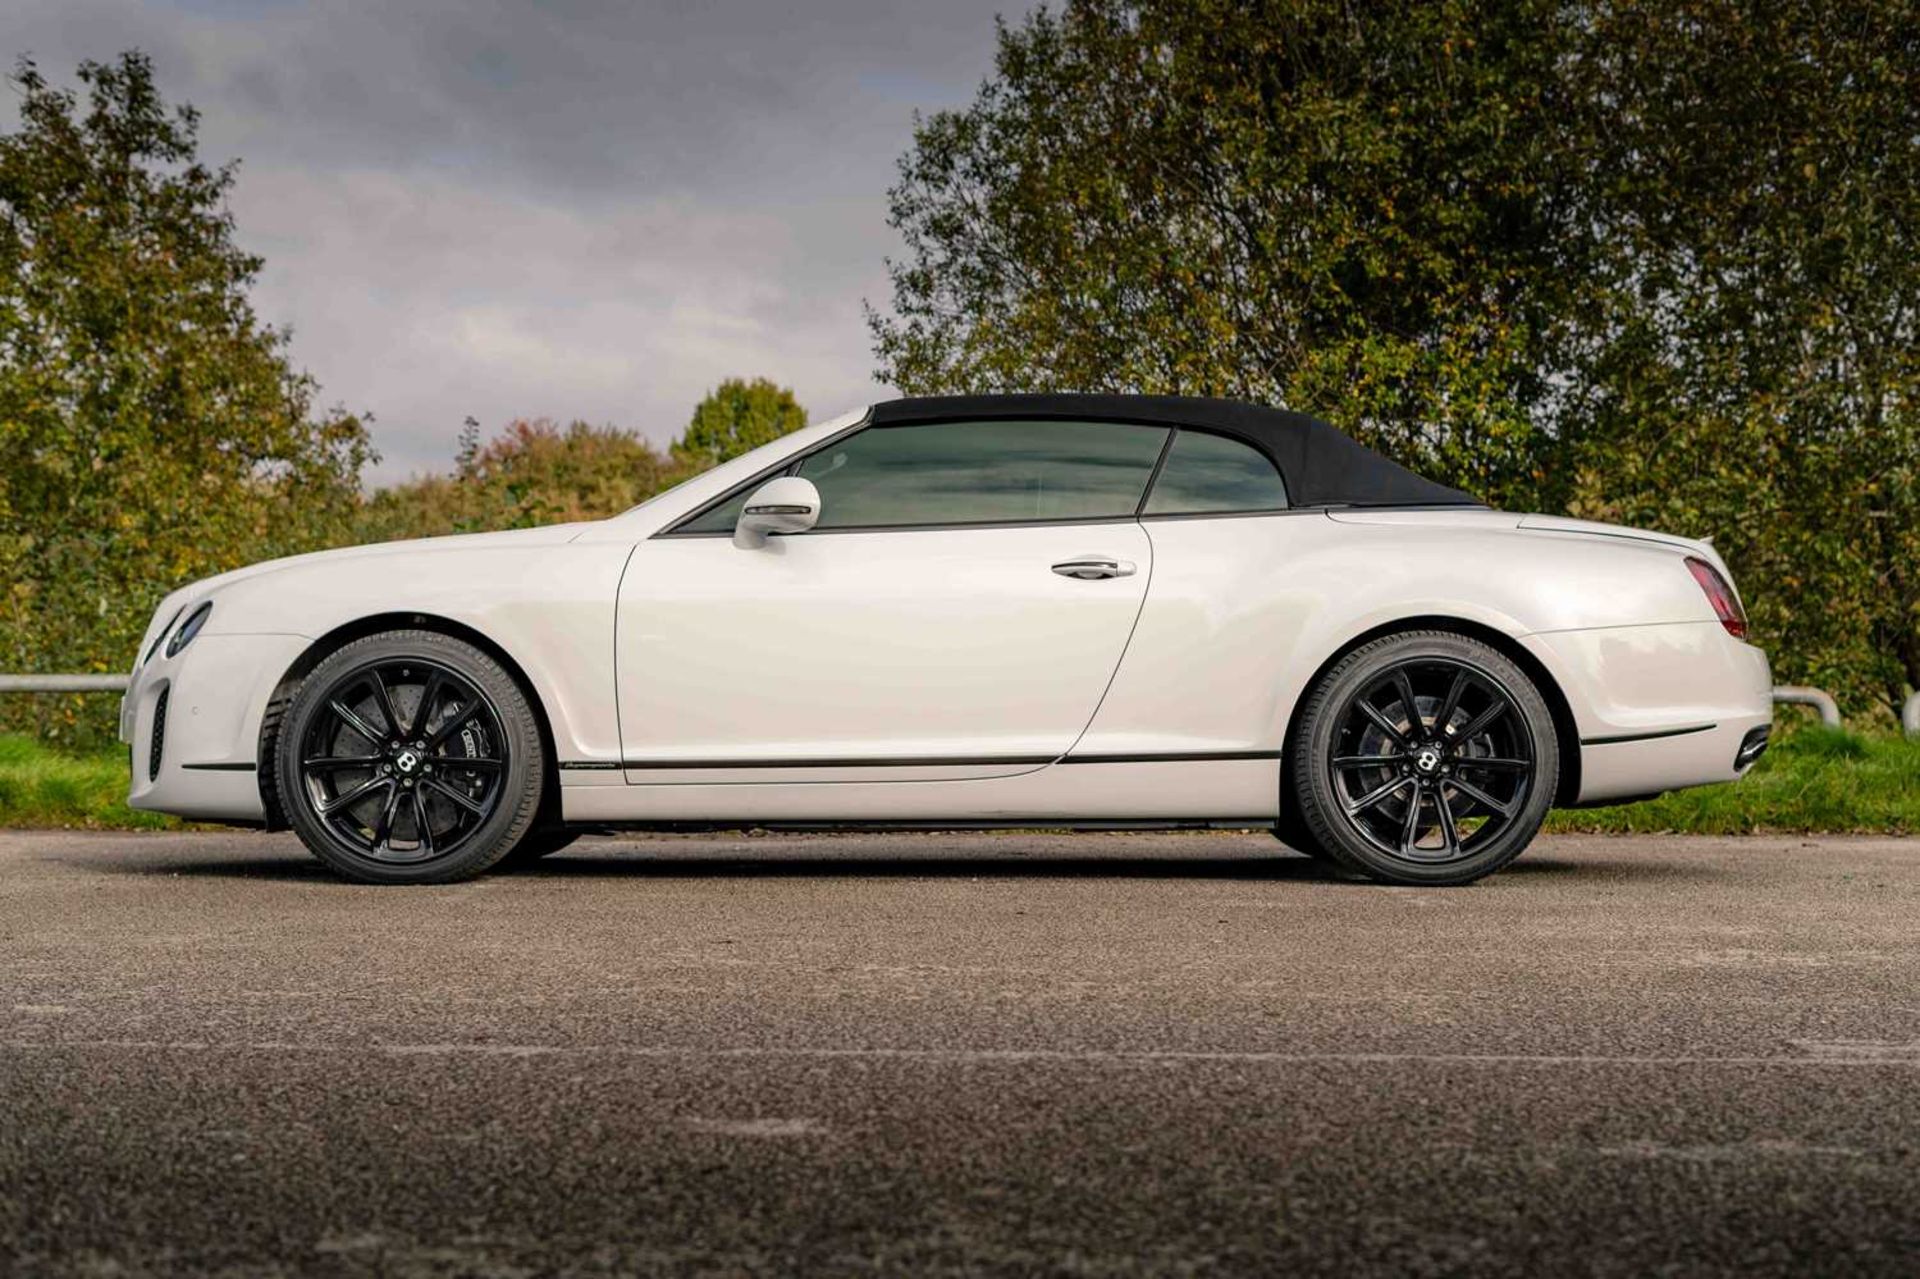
{"x":1424,"y":758}
{"x":409,"y":757}
{"x":541,"y":841}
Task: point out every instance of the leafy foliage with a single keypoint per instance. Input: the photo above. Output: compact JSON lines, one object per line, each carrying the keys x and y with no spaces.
{"x":738,"y":416}
{"x":153,"y":431}
{"x":1755,"y":324}
{"x":1646,"y":260}
{"x":151,"y":427}
{"x":533,"y":472}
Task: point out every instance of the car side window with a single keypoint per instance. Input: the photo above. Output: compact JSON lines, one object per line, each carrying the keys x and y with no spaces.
{"x":1212,"y":474}
{"x":721,"y":518}
{"x":995,"y":472}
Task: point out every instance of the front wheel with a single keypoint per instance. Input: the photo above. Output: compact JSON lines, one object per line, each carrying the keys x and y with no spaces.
{"x":1424,"y":758}
{"x":1293,"y":833}
{"x":409,"y":757}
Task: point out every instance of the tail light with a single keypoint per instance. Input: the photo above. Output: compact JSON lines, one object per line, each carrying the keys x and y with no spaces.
{"x":1726,"y":605}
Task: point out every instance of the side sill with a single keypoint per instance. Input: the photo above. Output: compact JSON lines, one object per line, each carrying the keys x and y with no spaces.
{"x":1187,"y":757}
{"x":917,"y":761}
{"x":1090,"y":824}
{"x":905,"y":761}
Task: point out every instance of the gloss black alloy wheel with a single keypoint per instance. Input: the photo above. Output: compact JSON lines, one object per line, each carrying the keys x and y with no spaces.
{"x":409,"y":757}
{"x":404,"y":760}
{"x":1426,"y":758}
{"x":1431,"y":758}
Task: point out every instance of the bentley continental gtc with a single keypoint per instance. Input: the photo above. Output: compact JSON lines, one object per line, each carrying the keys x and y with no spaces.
{"x":1035,"y":610}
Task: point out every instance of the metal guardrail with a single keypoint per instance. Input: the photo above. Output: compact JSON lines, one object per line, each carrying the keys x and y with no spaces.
{"x":63,"y":683}
{"x":1790,"y":694}
{"x":1801,"y":695}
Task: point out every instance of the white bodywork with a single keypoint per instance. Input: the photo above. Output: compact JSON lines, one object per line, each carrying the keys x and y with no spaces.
{"x":947,"y":674}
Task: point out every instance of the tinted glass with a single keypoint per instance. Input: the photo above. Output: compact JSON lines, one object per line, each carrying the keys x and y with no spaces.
{"x":1213,"y":473}
{"x":723,"y":517}
{"x":984,"y":473}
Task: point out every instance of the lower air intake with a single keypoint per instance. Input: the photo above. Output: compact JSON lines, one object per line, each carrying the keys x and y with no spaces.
{"x":159,"y":735}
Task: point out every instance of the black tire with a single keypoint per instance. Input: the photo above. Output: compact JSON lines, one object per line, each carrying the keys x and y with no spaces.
{"x":1423,"y":758}
{"x":1293,"y":832}
{"x":541,"y":841}
{"x":409,"y":757}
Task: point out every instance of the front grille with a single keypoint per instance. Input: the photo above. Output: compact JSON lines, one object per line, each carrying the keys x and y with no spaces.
{"x":159,"y":735}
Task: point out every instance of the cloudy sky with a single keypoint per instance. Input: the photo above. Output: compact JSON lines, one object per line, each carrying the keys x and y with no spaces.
{"x":591,"y":210}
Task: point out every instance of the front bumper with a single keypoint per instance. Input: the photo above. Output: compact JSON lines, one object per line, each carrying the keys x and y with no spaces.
{"x":193,"y":722}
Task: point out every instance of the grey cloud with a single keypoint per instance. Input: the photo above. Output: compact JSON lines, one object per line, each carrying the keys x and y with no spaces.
{"x":592,"y":210}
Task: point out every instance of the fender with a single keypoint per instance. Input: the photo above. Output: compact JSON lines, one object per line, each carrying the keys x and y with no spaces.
{"x":548,"y":605}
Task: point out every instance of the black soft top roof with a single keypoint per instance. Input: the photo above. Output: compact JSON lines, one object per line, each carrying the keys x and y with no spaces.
{"x":1321,"y":466}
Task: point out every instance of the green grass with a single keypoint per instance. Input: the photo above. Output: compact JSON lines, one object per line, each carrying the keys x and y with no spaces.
{"x":42,"y":788}
{"x":1812,"y":780}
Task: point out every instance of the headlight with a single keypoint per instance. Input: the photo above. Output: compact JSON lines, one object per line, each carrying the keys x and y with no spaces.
{"x":189,"y":629}
{"x":161,"y":638}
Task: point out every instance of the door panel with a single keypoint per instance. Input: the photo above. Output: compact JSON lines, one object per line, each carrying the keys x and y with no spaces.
{"x":1226,"y":617}
{"x":899,"y":655}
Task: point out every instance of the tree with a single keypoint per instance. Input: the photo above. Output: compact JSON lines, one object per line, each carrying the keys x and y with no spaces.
{"x":1754,"y":363}
{"x":738,"y":416}
{"x":1216,"y":197}
{"x":152,"y":429}
{"x":1648,"y":260}
{"x":533,"y":472}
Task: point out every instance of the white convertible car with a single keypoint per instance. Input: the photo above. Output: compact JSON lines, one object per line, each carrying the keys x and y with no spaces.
{"x":1017,"y":610}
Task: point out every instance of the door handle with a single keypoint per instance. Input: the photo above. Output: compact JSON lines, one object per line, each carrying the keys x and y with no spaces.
{"x":1092,"y":568}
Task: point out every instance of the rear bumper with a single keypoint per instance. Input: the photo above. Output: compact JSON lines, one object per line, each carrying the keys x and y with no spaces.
{"x":203,"y":709}
{"x":1659,"y":707}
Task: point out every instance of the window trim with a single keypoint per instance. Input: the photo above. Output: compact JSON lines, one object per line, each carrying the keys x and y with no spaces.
{"x":1286,"y":490}
{"x":791,"y":464}
{"x":783,"y":467}
{"x":1170,"y":516}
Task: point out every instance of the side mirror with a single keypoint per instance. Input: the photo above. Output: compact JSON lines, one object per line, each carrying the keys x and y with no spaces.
{"x":778,"y":507}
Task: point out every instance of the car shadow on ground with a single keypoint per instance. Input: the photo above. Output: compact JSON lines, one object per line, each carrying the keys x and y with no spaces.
{"x":774,"y":866}
{"x":983,"y":865}
{"x":640,"y":863}
{"x":1280,"y":867}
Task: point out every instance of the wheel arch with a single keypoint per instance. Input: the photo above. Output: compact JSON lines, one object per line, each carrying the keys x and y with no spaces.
{"x":1566,"y":734}
{"x":373,"y":624}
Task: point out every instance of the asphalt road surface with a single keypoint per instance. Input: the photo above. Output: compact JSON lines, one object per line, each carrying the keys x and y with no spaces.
{"x":971,"y":1054}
